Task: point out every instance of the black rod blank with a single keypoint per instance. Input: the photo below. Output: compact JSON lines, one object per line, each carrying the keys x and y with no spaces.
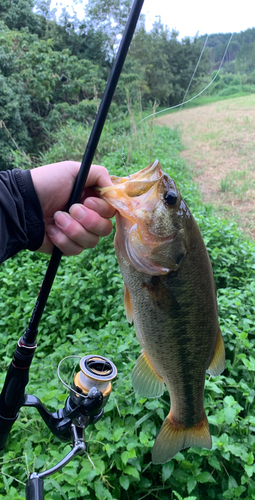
{"x":86,"y":162}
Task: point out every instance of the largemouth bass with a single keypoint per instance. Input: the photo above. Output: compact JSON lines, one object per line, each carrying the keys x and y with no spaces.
{"x":169,"y":292}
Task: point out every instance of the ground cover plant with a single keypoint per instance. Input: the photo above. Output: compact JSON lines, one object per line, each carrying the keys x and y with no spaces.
{"x":85,"y":315}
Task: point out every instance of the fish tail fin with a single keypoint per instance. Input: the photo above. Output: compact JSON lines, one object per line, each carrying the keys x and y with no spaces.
{"x":174,"y":436}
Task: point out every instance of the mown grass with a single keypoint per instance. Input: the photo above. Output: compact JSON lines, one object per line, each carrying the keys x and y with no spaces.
{"x":196,"y":102}
{"x":85,"y":314}
{"x":219,"y":146}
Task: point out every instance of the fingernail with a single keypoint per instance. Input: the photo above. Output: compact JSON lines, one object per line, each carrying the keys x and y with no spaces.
{"x":62,"y":219}
{"x":91,"y":203}
{"x":51,"y":230}
{"x":78,"y":212}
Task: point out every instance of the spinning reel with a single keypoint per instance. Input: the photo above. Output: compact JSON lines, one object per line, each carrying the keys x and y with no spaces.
{"x":89,"y":394}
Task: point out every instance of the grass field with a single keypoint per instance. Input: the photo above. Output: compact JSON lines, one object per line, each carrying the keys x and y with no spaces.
{"x":219,"y":145}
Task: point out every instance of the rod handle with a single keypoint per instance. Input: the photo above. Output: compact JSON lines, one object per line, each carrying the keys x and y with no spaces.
{"x":5,"y":427}
{"x":34,"y":489}
{"x":12,"y":396}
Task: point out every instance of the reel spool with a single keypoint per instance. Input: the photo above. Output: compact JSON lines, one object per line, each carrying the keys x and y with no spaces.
{"x":95,"y":372}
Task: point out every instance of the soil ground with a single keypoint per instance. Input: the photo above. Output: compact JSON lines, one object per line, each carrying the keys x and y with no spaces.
{"x":219,"y":146}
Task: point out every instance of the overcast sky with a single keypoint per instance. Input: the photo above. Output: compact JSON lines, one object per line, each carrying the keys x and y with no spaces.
{"x":189,"y":17}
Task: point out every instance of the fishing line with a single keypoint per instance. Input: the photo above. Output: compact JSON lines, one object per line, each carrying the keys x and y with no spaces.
{"x":60,"y":377}
{"x":192,"y":98}
{"x":124,"y":162}
{"x":194,"y":72}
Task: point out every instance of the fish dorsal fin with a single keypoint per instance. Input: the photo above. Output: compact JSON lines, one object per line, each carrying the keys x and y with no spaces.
{"x":145,"y":379}
{"x":128,"y":305}
{"x":217,"y":364}
{"x":174,"y":436}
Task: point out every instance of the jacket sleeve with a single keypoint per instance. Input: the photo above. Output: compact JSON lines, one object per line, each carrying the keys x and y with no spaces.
{"x":21,"y":216}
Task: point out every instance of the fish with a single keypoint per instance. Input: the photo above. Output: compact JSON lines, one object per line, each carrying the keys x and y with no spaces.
{"x":170,"y":294}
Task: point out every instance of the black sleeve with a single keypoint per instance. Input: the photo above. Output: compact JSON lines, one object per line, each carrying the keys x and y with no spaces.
{"x":21,"y":216}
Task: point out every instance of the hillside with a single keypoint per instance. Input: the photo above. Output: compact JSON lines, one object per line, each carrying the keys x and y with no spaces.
{"x":241,"y":52}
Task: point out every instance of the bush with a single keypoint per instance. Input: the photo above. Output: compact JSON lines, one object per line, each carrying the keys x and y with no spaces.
{"x":231,"y":90}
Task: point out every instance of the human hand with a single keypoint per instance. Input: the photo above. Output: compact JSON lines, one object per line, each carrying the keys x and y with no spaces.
{"x":86,"y":221}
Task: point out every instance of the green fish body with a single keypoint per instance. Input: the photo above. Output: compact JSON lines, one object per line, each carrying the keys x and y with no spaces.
{"x":170,"y":294}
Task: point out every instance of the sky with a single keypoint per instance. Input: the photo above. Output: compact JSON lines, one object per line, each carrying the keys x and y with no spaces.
{"x":189,"y":17}
{"x":192,"y":17}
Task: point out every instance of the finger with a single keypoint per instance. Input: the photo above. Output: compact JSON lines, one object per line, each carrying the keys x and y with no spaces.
{"x":100,"y":206}
{"x":83,"y":226}
{"x":67,"y":245}
{"x":47,"y":245}
{"x":98,"y":176}
{"x":84,"y":218}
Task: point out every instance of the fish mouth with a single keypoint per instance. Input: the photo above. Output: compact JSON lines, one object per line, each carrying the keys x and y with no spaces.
{"x":136,"y":184}
{"x":137,"y":197}
{"x":139,"y":200}
{"x":139,"y":191}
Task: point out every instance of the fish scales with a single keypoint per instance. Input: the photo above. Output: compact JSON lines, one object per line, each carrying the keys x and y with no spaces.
{"x":170,"y":294}
{"x":173,"y":329}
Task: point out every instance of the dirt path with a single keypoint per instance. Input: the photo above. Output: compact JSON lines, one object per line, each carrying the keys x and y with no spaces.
{"x":219,"y":141}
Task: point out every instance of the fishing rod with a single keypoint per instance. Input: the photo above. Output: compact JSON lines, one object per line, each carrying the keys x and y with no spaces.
{"x":13,"y":397}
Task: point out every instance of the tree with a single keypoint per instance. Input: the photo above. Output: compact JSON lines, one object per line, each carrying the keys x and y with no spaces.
{"x":108,"y":17}
{"x":40,"y":90}
{"x":165,"y":65}
{"x":17,"y":14}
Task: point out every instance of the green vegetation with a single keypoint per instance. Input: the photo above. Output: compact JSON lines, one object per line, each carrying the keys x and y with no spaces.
{"x":238,"y":182}
{"x":85,"y":315}
{"x":241,"y":53}
{"x":237,"y":76}
{"x":229,"y":84}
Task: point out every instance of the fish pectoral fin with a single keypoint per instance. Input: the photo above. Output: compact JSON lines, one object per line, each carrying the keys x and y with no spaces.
{"x":139,"y":255}
{"x":128,"y":305}
{"x":217,"y":364}
{"x":145,"y":379}
{"x":174,"y":436}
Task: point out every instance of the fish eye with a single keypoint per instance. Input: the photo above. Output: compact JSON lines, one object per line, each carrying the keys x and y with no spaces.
{"x":171,"y":197}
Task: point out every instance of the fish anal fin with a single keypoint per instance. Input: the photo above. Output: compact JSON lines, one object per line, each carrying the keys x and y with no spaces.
{"x":128,"y":305}
{"x":145,"y":379}
{"x":217,"y":364}
{"x":174,"y":436}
